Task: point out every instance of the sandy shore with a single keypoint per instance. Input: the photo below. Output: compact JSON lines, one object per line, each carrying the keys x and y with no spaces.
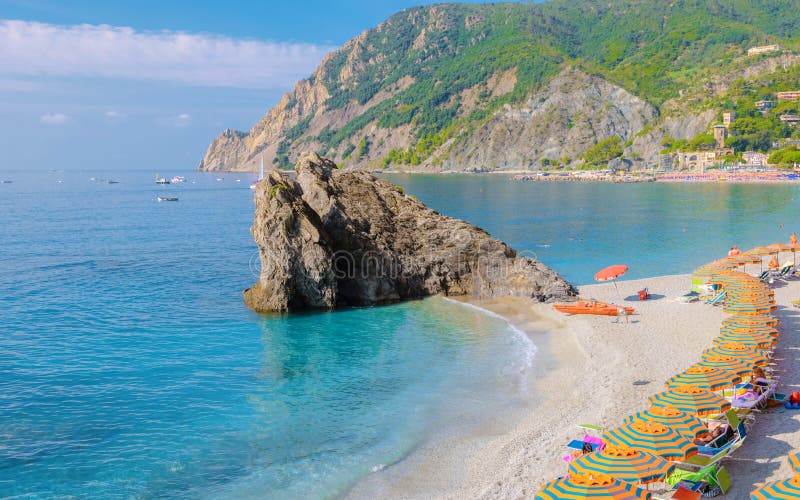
{"x":598,"y":371}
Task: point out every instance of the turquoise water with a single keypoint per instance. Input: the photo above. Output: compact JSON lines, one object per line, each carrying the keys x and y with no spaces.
{"x":130,"y":368}
{"x":578,"y":228}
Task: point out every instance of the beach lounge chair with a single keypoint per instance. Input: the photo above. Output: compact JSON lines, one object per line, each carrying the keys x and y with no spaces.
{"x":577,"y":444}
{"x":689,"y":297}
{"x":718,"y":299}
{"x":783,"y":274}
{"x":706,"y":482}
{"x":711,"y":455}
{"x":752,"y":400}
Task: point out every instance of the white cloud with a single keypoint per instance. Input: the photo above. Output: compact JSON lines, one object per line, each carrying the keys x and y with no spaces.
{"x":39,"y":49}
{"x":54,"y":119}
{"x":114,"y":116}
{"x":182,"y":120}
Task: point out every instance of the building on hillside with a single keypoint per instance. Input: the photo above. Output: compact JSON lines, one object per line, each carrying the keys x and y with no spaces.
{"x":755,"y":158}
{"x":791,"y":95}
{"x":791,"y":120}
{"x":665,"y":162}
{"x":728,"y":117}
{"x":701,"y":160}
{"x":720,"y":134}
{"x":765,"y":105}
{"x":763,"y":49}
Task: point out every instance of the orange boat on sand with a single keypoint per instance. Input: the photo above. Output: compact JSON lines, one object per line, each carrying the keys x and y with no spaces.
{"x":592,"y":307}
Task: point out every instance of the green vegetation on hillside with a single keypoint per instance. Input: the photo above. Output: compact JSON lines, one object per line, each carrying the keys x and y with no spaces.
{"x":604,"y":151}
{"x":650,"y":47}
{"x":786,"y":157}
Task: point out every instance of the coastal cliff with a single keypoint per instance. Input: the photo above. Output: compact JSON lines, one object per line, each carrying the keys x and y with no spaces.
{"x":333,"y":238}
{"x":511,"y":86}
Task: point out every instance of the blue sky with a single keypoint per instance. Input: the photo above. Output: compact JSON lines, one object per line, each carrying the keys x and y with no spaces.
{"x":148,"y":84}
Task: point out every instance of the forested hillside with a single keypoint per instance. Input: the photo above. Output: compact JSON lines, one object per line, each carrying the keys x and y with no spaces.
{"x":517,"y":85}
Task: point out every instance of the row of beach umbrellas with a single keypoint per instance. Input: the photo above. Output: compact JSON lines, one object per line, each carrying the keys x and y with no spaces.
{"x":647,"y":446}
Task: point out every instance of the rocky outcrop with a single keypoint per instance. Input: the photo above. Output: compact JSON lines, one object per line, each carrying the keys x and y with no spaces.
{"x":333,"y":238}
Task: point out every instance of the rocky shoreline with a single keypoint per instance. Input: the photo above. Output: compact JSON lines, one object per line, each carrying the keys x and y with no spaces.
{"x":335,"y":238}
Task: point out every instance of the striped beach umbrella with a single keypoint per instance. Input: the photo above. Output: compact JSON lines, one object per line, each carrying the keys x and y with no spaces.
{"x":740,"y":320}
{"x":761,"y":251}
{"x":767,"y":330}
{"x":730,"y":363}
{"x":757,"y":340}
{"x":652,"y":437}
{"x":599,"y":486}
{"x":785,"y":489}
{"x":794,"y":462}
{"x":746,"y":353}
{"x":691,"y":399}
{"x":683,"y":423}
{"x":748,"y":308}
{"x":625,"y":464}
{"x":705,"y":377}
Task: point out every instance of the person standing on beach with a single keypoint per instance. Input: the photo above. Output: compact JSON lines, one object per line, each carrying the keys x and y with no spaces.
{"x":734,"y":251}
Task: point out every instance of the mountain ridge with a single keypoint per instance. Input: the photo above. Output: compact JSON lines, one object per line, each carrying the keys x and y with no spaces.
{"x":428,"y":87}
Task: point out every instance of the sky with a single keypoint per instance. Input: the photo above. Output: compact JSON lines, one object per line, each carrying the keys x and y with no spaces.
{"x":148,"y":84}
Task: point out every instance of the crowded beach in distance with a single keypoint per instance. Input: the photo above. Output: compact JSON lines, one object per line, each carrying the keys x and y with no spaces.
{"x":702,"y":433}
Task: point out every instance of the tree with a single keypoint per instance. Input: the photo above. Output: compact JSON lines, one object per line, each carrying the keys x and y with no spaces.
{"x":604,"y":151}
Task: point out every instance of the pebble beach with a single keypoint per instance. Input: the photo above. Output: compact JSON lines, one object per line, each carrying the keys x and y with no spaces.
{"x":598,"y":370}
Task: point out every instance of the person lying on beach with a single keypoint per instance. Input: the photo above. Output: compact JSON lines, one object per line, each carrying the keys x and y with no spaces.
{"x":759,"y":380}
{"x":713,"y":433}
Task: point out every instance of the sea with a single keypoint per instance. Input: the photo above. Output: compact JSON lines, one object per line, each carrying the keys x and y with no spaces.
{"x":130,"y":368}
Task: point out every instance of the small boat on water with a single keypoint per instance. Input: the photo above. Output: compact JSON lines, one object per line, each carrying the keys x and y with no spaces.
{"x":167,"y":198}
{"x":178,"y":179}
{"x":161,"y":180}
{"x":113,"y":182}
{"x":592,"y":307}
{"x":6,"y":181}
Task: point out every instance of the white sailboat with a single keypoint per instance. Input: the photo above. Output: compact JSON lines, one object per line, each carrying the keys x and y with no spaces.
{"x":260,"y":174}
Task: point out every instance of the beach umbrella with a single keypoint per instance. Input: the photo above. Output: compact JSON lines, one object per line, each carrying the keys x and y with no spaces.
{"x":747,"y":308}
{"x":794,"y":462}
{"x":746,"y":353}
{"x":625,"y":464}
{"x":599,"y":486}
{"x":740,"y":320}
{"x":691,"y":399}
{"x":683,"y":423}
{"x":652,"y":437}
{"x":705,"y":377}
{"x":787,"y":488}
{"x":761,"y":252}
{"x":611,"y":273}
{"x":730,"y":363}
{"x":766,"y":330}
{"x":757,"y":340}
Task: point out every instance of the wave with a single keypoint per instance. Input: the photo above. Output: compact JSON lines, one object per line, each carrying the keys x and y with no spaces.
{"x":522,"y":337}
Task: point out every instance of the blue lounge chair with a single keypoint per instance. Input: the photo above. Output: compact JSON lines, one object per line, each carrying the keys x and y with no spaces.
{"x":718,"y":299}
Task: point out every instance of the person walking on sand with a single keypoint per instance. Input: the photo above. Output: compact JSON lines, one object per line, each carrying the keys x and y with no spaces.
{"x":734,"y":251}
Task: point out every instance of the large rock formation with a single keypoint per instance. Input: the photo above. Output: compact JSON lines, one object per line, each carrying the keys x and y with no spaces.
{"x":335,"y":238}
